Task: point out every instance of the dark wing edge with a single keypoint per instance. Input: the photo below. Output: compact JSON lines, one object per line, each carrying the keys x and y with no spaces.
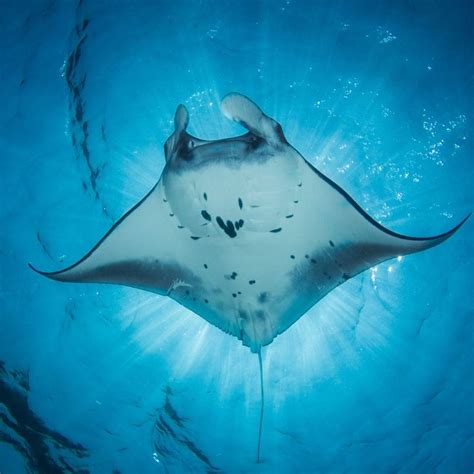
{"x":429,"y":241}
{"x":65,"y":273}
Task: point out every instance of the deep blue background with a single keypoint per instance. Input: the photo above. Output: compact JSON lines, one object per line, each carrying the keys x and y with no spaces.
{"x":378,"y":377}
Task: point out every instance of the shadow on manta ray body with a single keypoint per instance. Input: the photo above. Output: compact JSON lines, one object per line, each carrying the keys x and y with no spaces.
{"x":242,"y":231}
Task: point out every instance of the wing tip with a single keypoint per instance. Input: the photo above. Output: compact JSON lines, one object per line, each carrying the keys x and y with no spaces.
{"x":449,"y":233}
{"x":51,"y":275}
{"x":35,"y":269}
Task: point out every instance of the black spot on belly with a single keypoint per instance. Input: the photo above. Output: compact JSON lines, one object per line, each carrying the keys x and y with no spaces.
{"x":171,"y":214}
{"x":331,"y":243}
{"x":206,"y":215}
{"x":313,"y":260}
{"x":227,"y":228}
{"x":164,"y":200}
{"x":180,"y":227}
{"x":204,"y":196}
{"x":206,"y":301}
{"x":292,"y":256}
{"x":205,"y":265}
{"x":233,"y":275}
{"x":276,"y":230}
{"x":241,"y":204}
{"x":194,"y":237}
{"x":299,"y":185}
{"x":234,"y":295}
{"x":252,"y":282}
{"x":306,"y":256}
{"x":289,"y":216}
{"x":296,"y":202}
{"x":263,"y":297}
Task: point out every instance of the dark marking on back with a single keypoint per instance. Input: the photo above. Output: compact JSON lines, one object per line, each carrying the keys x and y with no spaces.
{"x":276,"y":230}
{"x":228,"y":228}
{"x":331,"y":243}
{"x":345,"y":276}
{"x":260,"y":314}
{"x":206,"y":215}
{"x":241,"y":204}
{"x":313,"y":260}
{"x":263,"y":297}
{"x":306,"y":256}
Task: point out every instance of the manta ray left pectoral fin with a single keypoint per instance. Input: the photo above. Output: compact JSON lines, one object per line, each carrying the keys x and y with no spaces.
{"x":137,"y":251}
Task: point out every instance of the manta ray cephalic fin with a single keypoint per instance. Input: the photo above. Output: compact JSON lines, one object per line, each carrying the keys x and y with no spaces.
{"x":241,"y":109}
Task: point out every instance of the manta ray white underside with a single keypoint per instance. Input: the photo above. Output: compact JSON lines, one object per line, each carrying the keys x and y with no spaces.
{"x":243,"y":231}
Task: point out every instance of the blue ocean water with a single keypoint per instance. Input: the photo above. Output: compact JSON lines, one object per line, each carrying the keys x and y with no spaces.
{"x":377,"y":377}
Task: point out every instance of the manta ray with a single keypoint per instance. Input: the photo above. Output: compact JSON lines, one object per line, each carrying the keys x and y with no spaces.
{"x":243,"y":231}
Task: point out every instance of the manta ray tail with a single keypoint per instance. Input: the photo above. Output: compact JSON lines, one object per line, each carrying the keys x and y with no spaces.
{"x":262,"y":400}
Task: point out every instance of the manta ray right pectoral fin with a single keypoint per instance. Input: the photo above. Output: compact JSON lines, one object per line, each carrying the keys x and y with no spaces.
{"x":241,"y":109}
{"x":136,"y":251}
{"x":378,"y":244}
{"x":347,"y":232}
